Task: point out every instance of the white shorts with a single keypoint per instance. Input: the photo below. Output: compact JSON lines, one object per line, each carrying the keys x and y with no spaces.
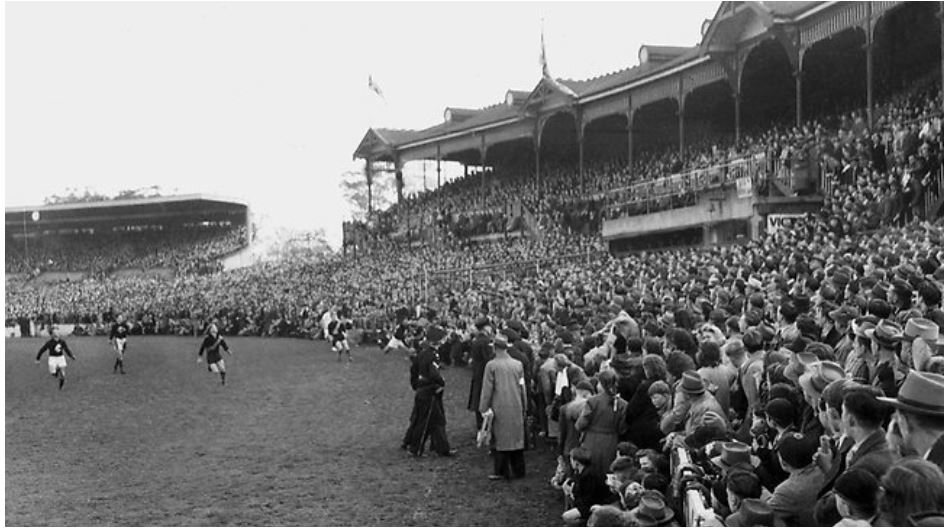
{"x":56,"y":362}
{"x":120,"y":344}
{"x":338,"y":346}
{"x":395,"y":343}
{"x":218,"y":367}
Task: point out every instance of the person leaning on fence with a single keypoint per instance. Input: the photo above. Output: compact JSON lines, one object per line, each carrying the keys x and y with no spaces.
{"x":585,"y":489}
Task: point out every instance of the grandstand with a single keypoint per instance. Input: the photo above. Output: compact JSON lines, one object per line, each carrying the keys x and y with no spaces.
{"x":168,"y":235}
{"x":717,"y":137}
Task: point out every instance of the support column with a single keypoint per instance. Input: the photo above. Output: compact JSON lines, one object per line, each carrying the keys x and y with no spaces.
{"x":438,"y":182}
{"x":869,"y":64}
{"x":580,"y":141}
{"x":798,"y":88}
{"x":738,"y":116}
{"x":399,"y":178}
{"x":681,"y":105}
{"x":630,"y":113}
{"x":482,"y":159}
{"x":537,"y":145}
{"x":369,"y":175}
{"x":465,"y":170}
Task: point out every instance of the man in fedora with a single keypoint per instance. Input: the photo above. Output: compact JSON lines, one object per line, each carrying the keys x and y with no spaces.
{"x":919,"y":411}
{"x":919,"y":339}
{"x":652,"y":511}
{"x":503,"y":396}
{"x":888,"y":371}
{"x":842,"y":317}
{"x":693,"y":402}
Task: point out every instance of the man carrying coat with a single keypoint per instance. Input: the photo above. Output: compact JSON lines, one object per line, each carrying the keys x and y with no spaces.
{"x":503,"y":396}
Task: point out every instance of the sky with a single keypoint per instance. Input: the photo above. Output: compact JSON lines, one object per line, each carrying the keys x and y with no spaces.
{"x":265,"y":101}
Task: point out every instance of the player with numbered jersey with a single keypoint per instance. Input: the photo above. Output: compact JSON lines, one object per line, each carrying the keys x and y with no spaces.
{"x":57,"y":349}
{"x":212,"y":345}
{"x":119,"y":340}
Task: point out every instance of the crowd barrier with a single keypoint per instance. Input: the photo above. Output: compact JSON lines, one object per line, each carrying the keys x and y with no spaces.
{"x":694,"y":509}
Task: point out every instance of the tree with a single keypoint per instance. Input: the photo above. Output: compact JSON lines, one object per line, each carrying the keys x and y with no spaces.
{"x":72,"y":195}
{"x":354,"y":186}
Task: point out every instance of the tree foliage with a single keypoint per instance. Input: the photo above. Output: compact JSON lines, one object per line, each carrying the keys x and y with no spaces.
{"x":354,"y":187}
{"x":86,"y":195}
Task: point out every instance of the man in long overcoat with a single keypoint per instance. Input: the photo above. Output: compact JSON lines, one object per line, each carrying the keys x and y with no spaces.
{"x":503,"y":395}
{"x":480,"y":353}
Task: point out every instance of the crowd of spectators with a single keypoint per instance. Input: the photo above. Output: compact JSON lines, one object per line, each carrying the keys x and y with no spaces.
{"x":185,"y":250}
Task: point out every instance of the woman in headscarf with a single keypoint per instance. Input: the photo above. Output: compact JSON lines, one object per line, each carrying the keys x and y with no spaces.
{"x":601,"y":421}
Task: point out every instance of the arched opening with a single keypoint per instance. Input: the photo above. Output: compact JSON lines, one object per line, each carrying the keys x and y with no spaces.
{"x":767,"y":88}
{"x":605,"y":140}
{"x":709,"y":116}
{"x":559,"y":141}
{"x":834,"y":78}
{"x":907,"y":47}
{"x":655,"y":130}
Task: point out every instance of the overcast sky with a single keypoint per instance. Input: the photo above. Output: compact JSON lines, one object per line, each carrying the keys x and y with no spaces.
{"x":267,"y":101}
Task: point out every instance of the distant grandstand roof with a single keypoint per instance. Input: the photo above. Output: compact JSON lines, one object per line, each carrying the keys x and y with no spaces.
{"x":189,"y":206}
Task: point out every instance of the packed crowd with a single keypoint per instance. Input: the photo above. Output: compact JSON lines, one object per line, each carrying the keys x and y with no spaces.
{"x":793,"y":381}
{"x":186,"y":251}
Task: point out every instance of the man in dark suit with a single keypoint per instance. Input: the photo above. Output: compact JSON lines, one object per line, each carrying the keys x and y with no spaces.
{"x":919,"y":411}
{"x":480,"y":354}
{"x":862,"y":422}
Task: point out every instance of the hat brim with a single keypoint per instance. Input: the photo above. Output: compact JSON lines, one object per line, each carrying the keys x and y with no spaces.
{"x":912,"y":408}
{"x":718,"y":461}
{"x":668,"y":515}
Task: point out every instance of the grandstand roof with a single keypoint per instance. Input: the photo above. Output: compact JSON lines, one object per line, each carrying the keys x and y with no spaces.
{"x":654,"y":61}
{"x":157,"y":208}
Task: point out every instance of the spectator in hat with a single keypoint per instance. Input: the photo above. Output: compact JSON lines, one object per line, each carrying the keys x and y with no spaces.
{"x":855,"y":493}
{"x":812,"y":384}
{"x":919,"y":412}
{"x":792,"y":499}
{"x":918,"y":338}
{"x":910,"y":487}
{"x":888,"y":371}
{"x":652,"y":510}
{"x":480,"y":353}
{"x":751,"y":372}
{"x":860,"y":362}
{"x":692,"y":403}
{"x":503,"y":395}
{"x":841,"y":318}
{"x":607,"y":516}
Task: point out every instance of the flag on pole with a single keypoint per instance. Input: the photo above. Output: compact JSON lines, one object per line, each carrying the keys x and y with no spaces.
{"x":546,"y":74}
{"x":373,"y":86}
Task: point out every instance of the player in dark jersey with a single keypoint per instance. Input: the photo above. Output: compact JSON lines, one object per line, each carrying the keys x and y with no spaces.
{"x":119,"y":340}
{"x":398,"y":340}
{"x":212,"y":345}
{"x":339,"y":336}
{"x":57,"y":361}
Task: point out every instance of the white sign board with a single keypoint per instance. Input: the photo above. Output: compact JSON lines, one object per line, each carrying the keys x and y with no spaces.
{"x":777,"y":222}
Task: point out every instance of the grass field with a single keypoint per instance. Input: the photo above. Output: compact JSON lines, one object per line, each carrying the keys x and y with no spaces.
{"x":294,"y":438}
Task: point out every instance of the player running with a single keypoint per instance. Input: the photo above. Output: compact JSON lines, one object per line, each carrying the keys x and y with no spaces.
{"x":212,"y":345}
{"x":339,"y":337}
{"x":398,"y":340}
{"x":57,"y":361}
{"x":119,"y":340}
